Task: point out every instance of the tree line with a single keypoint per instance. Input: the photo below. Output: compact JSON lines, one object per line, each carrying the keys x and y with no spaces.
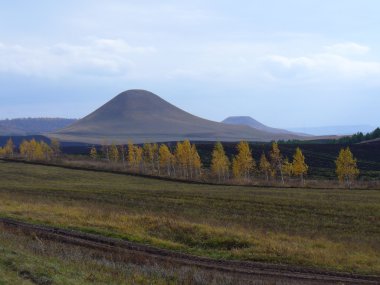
{"x":32,"y":150}
{"x":359,"y":137}
{"x":184,"y":162}
{"x":345,"y":140}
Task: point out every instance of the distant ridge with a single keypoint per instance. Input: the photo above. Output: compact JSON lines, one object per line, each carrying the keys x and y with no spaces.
{"x":32,"y":126}
{"x":335,"y":130}
{"x":250,"y":122}
{"x":141,"y":116}
{"x":9,"y":131}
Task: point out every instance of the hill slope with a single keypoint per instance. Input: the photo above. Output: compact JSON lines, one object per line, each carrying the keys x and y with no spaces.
{"x":248,"y":121}
{"x":142,"y":116}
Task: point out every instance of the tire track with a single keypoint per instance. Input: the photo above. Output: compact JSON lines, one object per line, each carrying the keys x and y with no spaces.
{"x":243,"y":269}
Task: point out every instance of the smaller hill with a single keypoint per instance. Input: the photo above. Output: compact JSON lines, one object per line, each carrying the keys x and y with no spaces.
{"x":250,"y":122}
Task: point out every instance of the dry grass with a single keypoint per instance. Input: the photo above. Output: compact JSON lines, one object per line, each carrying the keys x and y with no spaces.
{"x":31,"y":260}
{"x":321,"y":228}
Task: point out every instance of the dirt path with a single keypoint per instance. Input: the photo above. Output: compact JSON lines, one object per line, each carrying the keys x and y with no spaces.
{"x":244,"y":269}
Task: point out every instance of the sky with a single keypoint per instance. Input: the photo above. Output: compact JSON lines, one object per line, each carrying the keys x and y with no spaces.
{"x":286,"y":63}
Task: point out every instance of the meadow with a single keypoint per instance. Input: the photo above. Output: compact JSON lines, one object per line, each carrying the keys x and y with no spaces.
{"x":329,"y":229}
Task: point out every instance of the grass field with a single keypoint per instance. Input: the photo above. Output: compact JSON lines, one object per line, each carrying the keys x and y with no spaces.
{"x":27,"y":260}
{"x":332,"y":229}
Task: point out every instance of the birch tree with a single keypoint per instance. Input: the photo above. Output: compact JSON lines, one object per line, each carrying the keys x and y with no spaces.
{"x":300,"y":167}
{"x":220,"y":163}
{"x":277,"y":160}
{"x":346,"y":167}
{"x":243,"y":163}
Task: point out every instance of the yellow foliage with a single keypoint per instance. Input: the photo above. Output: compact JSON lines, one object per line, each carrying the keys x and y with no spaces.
{"x":8,"y":149}
{"x":220,"y":163}
{"x":114,"y":153}
{"x":33,"y":150}
{"x":346,"y":167}
{"x":243,"y":163}
{"x":276,"y":160}
{"x":187,"y":159}
{"x":300,"y":168}
{"x":166,"y":159}
{"x":93,"y":153}
{"x":264,"y":165}
{"x":287,"y":167}
{"x":135,"y":156}
{"x":150,"y":155}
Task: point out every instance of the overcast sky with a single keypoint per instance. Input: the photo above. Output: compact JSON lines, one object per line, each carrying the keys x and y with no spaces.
{"x":287,"y":63}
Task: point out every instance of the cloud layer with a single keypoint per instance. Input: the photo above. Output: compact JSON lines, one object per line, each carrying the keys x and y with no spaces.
{"x":340,"y":61}
{"x":281,"y":62}
{"x":104,"y":57}
{"x":100,"y":57}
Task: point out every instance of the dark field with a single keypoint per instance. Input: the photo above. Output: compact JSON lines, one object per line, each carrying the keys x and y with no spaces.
{"x":333,"y":229}
{"x":320,"y":157}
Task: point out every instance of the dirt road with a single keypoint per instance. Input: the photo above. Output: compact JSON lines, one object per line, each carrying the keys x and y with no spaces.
{"x":244,"y":269}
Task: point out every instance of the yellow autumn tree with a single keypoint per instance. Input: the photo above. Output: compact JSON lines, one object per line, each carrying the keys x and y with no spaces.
{"x":37,"y":150}
{"x":46,"y":150}
{"x":182,"y":154}
{"x":123,"y":152}
{"x":33,"y":150}
{"x":131,"y":156}
{"x":196,"y":164}
{"x":243,"y":163}
{"x":264,"y":166}
{"x":9,"y":148}
{"x":139,"y":158}
{"x":287,"y":168}
{"x":277,"y":160}
{"x":220,"y":163}
{"x":346,"y":167}
{"x":150,"y":156}
{"x":166,"y":159}
{"x":25,"y":149}
{"x":113,"y":153}
{"x":93,"y":153}
{"x":187,"y":160}
{"x":300,"y":167}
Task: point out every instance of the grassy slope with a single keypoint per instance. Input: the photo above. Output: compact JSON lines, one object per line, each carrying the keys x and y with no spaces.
{"x":336,"y":229}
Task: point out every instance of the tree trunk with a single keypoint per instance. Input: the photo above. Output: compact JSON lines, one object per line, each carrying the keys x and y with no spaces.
{"x":282,"y":176}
